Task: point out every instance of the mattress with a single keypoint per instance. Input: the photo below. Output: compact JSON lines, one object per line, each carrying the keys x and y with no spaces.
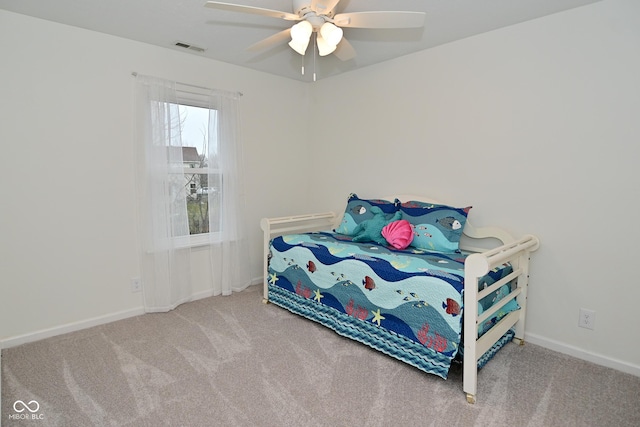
{"x":405,"y":303}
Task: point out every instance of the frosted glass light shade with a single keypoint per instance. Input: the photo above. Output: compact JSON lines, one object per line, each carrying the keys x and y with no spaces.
{"x":299,"y":46}
{"x":300,"y":35}
{"x":331,"y":34}
{"x":324,"y":48}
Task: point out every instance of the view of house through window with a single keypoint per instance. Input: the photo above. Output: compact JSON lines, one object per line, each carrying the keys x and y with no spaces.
{"x":201,"y":180}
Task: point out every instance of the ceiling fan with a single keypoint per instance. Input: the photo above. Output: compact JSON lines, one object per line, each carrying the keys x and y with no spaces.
{"x":319,"y":17}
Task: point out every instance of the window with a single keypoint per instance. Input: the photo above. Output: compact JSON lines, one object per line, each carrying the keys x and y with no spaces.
{"x":202,"y":196}
{"x":194,"y":182}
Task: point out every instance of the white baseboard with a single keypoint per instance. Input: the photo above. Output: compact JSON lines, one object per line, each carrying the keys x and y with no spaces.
{"x":582,"y":354}
{"x":95,"y":321}
{"x":69,"y":327}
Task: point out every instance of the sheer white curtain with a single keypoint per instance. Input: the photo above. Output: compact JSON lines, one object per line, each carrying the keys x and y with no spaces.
{"x":228,"y":248}
{"x":167,"y":259}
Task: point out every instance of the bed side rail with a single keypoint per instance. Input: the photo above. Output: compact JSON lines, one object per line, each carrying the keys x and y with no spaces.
{"x":479,"y":264}
{"x":273,"y":227}
{"x":476,"y":266}
{"x":297,"y":223}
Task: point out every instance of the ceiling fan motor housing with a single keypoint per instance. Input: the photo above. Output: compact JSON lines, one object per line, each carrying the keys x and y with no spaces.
{"x":302,"y":8}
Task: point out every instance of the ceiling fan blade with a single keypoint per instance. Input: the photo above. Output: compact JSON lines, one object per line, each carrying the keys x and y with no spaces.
{"x":345,"y":50}
{"x":254,"y":10}
{"x":271,"y":41}
{"x":323,"y":7}
{"x":390,"y":19}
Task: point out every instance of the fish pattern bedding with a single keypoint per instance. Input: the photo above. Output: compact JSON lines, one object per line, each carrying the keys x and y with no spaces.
{"x":404,"y":302}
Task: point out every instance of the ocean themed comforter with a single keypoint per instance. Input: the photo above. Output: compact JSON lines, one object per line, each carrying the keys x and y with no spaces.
{"x":405,"y":303}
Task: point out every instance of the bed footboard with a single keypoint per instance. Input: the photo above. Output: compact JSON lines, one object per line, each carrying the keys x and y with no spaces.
{"x":476,"y":266}
{"x":273,"y":227}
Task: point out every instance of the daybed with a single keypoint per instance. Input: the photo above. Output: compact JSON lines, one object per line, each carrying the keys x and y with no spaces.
{"x":439,"y":298}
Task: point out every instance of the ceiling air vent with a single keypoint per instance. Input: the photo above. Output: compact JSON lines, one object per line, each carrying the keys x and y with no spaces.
{"x":190,"y":47}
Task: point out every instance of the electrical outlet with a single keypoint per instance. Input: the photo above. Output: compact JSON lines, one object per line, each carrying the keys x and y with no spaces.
{"x":587,"y":318}
{"x":136,"y":285}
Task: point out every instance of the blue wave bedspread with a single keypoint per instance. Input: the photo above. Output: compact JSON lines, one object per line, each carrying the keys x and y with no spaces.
{"x":405,"y":303}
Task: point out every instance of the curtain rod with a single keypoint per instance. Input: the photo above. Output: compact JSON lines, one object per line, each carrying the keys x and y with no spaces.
{"x":135,"y":74}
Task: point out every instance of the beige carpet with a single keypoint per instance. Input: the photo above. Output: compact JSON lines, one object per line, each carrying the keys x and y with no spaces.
{"x":233,"y":361}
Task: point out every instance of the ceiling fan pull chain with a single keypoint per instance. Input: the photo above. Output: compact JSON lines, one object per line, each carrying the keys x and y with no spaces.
{"x":314,"y":58}
{"x":302,"y":62}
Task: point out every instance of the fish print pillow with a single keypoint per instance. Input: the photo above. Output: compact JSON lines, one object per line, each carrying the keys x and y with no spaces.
{"x":435,"y":227}
{"x":359,"y":210}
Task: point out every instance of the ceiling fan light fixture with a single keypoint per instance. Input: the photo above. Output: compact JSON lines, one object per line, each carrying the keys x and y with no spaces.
{"x":324,"y":48}
{"x":300,"y":36}
{"x":331,"y":33}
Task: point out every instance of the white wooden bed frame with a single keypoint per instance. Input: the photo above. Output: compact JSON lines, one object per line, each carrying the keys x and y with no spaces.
{"x":478,"y":264}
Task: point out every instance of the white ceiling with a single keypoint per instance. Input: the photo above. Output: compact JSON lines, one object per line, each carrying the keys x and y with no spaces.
{"x":226,"y":35}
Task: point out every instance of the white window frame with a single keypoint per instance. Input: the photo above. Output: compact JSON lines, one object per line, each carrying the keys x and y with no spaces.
{"x":194,"y":99}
